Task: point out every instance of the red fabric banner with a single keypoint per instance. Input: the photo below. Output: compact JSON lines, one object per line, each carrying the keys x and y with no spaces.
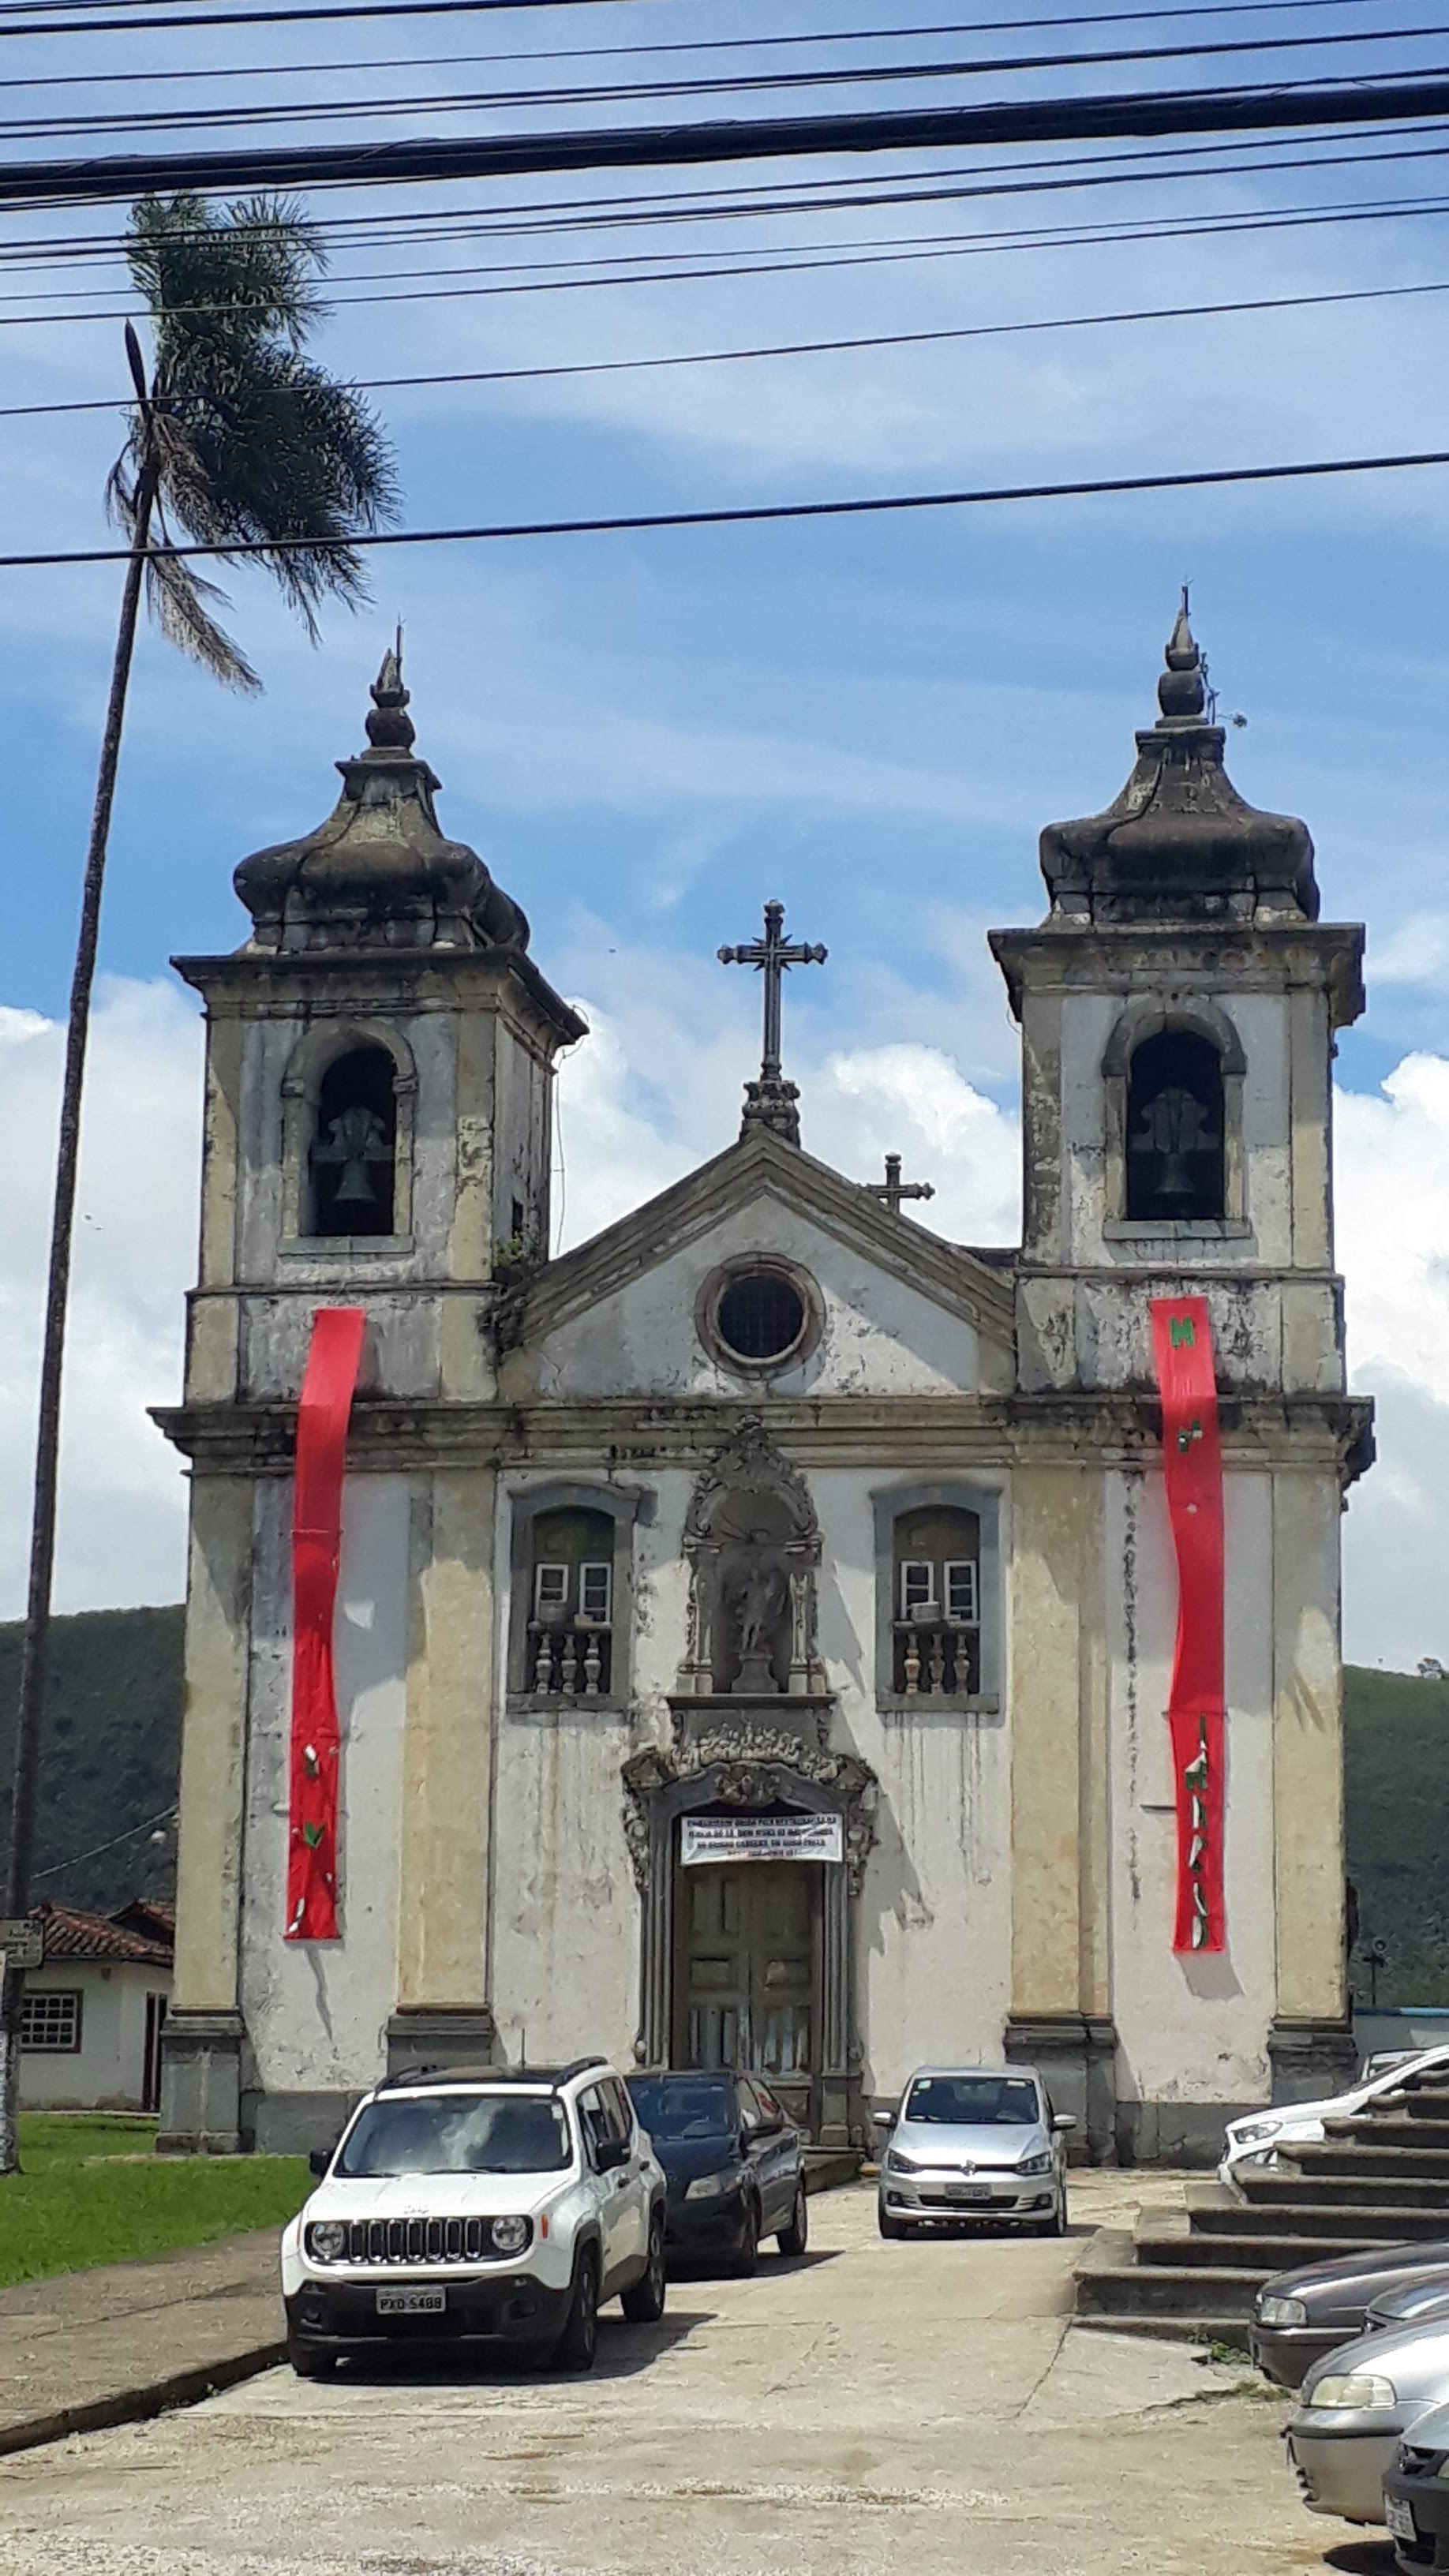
{"x":322,"y":1417}
{"x":1193,"y":1469}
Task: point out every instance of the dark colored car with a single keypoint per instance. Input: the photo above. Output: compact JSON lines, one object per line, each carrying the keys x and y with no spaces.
{"x":1299,"y":2316}
{"x":733,"y":2161}
{"x":1416,"y":2494}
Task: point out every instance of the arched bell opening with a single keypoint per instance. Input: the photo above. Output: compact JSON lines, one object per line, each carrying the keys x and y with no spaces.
{"x":1176,"y":1130}
{"x":352,"y":1165}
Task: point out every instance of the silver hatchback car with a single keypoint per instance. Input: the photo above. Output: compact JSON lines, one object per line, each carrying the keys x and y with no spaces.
{"x":977,"y":2142}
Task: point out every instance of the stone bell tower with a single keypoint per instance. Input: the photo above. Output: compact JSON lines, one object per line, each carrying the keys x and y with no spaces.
{"x":378,"y":1124}
{"x":1178,"y":1007}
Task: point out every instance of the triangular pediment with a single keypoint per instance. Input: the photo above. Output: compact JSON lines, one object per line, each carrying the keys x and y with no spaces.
{"x":782,"y":1186}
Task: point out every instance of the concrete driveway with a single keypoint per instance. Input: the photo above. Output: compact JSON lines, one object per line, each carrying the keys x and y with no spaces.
{"x":905,"y":2410}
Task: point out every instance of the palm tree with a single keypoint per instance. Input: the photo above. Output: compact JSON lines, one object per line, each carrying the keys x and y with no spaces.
{"x":244,"y":444}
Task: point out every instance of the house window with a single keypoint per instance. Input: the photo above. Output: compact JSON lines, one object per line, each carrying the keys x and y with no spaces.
{"x":50,"y":2021}
{"x":570,"y":1642}
{"x":936,"y":1630}
{"x":352,"y":1165}
{"x":1176,"y":1130}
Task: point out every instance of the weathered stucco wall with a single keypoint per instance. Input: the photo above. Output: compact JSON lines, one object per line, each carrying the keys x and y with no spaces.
{"x":108,"y":2071}
{"x":880,"y":1335}
{"x":316,"y":2012}
{"x":1189,"y":2029}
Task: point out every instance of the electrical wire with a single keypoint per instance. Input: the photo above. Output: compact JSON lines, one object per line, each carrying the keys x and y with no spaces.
{"x":562,"y":215}
{"x":813,"y":348}
{"x":135,"y":23}
{"x":1376,"y":99}
{"x":54,"y":1869}
{"x":961,"y":246}
{"x":166,"y":120}
{"x":765,"y":513}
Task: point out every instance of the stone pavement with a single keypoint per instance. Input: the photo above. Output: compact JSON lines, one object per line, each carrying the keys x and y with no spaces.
{"x":875,"y":2410}
{"x":106,"y":2346}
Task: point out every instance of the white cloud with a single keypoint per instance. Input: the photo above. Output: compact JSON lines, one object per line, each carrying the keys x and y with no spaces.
{"x":122,"y":1499}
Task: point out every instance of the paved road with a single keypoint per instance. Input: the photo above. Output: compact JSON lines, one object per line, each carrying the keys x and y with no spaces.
{"x":877,"y":2410}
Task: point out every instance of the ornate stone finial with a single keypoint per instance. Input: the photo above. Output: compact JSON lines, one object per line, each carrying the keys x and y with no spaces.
{"x":390,"y":727}
{"x":771,"y":1102}
{"x":1182,"y":689}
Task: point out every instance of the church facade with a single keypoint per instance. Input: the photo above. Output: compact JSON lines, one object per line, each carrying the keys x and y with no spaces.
{"x":755,"y":1627}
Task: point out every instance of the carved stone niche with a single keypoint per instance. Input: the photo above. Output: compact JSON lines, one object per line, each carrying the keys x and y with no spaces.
{"x":752,"y":1543}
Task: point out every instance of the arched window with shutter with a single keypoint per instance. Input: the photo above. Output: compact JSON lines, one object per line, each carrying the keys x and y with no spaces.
{"x":938,"y":1607}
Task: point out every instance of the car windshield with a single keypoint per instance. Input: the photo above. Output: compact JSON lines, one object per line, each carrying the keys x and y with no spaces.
{"x":974,"y":2101}
{"x":674,"y":2109}
{"x":424,"y":2133}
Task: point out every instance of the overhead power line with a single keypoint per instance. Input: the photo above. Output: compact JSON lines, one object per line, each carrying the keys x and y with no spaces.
{"x":83,"y":23}
{"x":732,"y":45}
{"x":612,"y":93}
{"x":816,"y":348}
{"x":1264,"y":108}
{"x":504,"y":279}
{"x":640,"y":522}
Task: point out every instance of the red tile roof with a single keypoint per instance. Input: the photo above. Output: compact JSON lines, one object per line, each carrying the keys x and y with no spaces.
{"x":70,"y":1934}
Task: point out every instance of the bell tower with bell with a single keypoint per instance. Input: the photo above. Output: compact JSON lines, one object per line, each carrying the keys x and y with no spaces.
{"x":379,"y":1117}
{"x":1178,"y":1007}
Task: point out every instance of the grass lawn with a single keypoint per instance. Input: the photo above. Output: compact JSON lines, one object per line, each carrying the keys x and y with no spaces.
{"x":92,"y":2191}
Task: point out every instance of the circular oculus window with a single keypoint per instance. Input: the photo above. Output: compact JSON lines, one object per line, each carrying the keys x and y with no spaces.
{"x":759,"y":1315}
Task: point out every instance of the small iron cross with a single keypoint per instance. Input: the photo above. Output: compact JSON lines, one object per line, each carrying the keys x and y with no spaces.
{"x":893,"y":1189}
{"x":770,"y":1102}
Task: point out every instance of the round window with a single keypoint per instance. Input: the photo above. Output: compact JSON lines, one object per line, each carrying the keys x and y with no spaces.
{"x":761,"y":1315}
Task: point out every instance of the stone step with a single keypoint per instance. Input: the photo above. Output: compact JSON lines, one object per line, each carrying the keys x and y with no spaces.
{"x":1363,"y":2219}
{"x":1268,"y":2254}
{"x":1167,"y":2289}
{"x":1343,"y":2159}
{"x":1419,"y":2128}
{"x":1232,"y":2331}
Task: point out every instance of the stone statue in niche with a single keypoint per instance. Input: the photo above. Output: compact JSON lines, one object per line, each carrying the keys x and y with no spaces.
{"x":754,"y":1634}
{"x":753,"y":1545}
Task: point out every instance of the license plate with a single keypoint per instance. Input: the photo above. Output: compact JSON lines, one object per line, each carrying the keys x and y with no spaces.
{"x":968,"y":2191}
{"x":1400,"y":2519}
{"x":411,"y":2303}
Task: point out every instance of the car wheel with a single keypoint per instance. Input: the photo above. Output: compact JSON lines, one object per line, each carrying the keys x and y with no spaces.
{"x":577,"y":2345}
{"x":644,"y":2304}
{"x":794,"y":2238}
{"x":308,"y":2359}
{"x":889,"y":2226}
{"x":746,"y":2253}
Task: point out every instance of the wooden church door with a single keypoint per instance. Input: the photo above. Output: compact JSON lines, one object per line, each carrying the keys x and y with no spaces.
{"x":747,"y":1973}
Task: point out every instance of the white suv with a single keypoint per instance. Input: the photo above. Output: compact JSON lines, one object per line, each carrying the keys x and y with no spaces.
{"x":471,"y":2204}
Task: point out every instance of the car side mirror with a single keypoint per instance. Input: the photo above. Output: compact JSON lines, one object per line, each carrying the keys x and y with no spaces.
{"x":1061,"y":2122}
{"x":609,"y":2153}
{"x":319,"y":2160}
{"x":882,"y":2119}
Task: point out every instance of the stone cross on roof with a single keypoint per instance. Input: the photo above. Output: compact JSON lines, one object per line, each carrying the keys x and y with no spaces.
{"x":893,"y":1189}
{"x":770,"y":1102}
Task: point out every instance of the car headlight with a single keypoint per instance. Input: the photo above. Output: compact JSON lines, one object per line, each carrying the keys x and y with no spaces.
{"x":1251,"y":2130}
{"x":1361,"y":2391}
{"x":1035,"y":2164}
{"x":510,"y":2235}
{"x":1282,"y":2312}
{"x":327,"y":2241}
{"x":711,"y":2186}
{"x":898,"y":2164}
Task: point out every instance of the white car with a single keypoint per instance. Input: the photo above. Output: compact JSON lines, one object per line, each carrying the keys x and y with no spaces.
{"x":1260,"y":2137}
{"x":474,"y":2205}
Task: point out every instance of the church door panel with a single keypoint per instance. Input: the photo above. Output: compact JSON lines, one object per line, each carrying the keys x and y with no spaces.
{"x":747,"y":1973}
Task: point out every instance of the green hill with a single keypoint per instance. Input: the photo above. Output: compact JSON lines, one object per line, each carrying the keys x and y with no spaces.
{"x":1396,"y":1733}
{"x":112,"y":1753}
{"x":114,"y":1741}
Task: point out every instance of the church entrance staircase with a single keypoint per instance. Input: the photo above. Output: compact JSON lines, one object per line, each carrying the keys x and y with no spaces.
{"x":1380,"y":2177}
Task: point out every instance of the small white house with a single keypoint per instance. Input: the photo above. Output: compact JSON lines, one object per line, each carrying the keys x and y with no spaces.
{"x":90,"y":2035}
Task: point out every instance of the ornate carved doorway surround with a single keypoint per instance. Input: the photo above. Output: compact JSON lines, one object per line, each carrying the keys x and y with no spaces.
{"x":750,"y":1764}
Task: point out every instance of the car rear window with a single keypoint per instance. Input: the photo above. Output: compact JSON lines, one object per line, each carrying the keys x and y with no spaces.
{"x":974,"y":2101}
{"x":678,"y":2107}
{"x":457,"y":2133}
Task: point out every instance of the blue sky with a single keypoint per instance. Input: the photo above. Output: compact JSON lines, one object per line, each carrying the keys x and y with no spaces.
{"x":646,"y":735}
